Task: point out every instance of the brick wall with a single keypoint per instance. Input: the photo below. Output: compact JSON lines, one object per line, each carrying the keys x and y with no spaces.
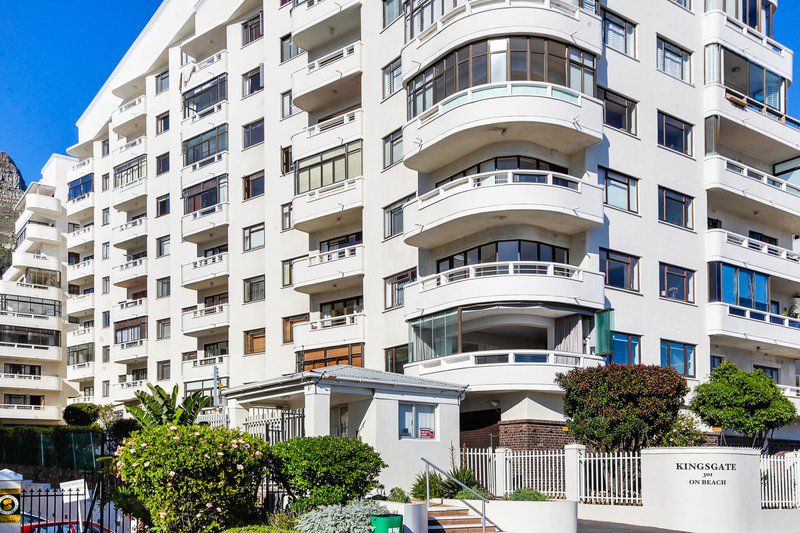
{"x":533,"y":435}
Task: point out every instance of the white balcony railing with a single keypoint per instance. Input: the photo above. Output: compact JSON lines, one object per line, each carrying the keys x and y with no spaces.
{"x":205,"y":318}
{"x":334,"y":322}
{"x":763,"y":316}
{"x":333,"y":123}
{"x":205,"y":268}
{"x":132,"y":144}
{"x":757,"y":246}
{"x":128,"y":106}
{"x":763,"y":177}
{"x":511,"y":268}
{"x":333,"y":57}
{"x":334,"y":255}
{"x":82,"y":164}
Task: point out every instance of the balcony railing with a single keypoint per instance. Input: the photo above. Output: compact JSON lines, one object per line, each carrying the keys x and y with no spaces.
{"x":758,"y":246}
{"x":745,"y":102}
{"x":82,"y":164}
{"x":127,"y":106}
{"x":744,"y":29}
{"x":206,"y":361}
{"x":132,"y":144}
{"x":763,"y":177}
{"x":333,"y":57}
{"x":334,"y":255}
{"x":511,"y":268}
{"x":763,"y":316}
{"x":334,"y":322}
{"x":514,"y":357}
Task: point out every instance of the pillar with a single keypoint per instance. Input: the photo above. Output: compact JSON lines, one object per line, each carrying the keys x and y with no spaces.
{"x":317,"y":410}
{"x":573,"y":453}
{"x":500,"y":471}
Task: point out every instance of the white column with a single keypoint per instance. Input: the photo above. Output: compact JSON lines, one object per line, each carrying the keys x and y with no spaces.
{"x":317,"y":410}
{"x":793,"y":461}
{"x":236,"y":414}
{"x":500,"y":468}
{"x":572,"y":472}
{"x":11,"y":485}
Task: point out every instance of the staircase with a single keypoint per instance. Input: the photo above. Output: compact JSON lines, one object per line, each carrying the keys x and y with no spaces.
{"x":445,"y":519}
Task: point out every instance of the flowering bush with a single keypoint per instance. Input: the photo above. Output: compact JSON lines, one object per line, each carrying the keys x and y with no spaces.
{"x":193,"y":478}
{"x":684,"y":432}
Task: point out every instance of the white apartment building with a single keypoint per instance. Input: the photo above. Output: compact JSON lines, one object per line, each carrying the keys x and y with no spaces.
{"x":446,"y":188}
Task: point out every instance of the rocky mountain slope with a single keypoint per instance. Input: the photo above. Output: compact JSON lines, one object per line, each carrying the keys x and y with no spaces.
{"x":11,"y":188}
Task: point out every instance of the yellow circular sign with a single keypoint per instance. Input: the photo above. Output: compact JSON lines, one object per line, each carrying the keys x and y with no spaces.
{"x":9,"y":504}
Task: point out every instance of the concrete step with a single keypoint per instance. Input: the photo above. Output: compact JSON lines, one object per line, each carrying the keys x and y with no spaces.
{"x":455,"y":520}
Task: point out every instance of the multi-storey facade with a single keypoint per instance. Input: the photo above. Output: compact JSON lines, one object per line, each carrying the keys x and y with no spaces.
{"x":446,"y":188}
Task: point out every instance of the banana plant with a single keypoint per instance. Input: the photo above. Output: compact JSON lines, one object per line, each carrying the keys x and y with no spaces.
{"x":159,"y":408}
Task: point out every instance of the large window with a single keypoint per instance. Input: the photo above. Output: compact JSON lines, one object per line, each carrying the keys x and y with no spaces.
{"x":33,"y":336}
{"x":676,"y":283}
{"x":749,"y":79}
{"x":349,"y":354}
{"x":255,"y":341}
{"x":417,"y":421}
{"x":253,"y":133}
{"x":392,"y":10}
{"x":205,"y":145}
{"x":41,"y":276}
{"x":83,"y":353}
{"x":674,"y":134}
{"x":620,"y":190}
{"x":673,"y":60}
{"x":326,"y":168}
{"x":289,"y":50}
{"x":508,"y":162}
{"x":254,"y":289}
{"x":163,"y":287}
{"x":396,"y":358}
{"x":206,"y":194}
{"x":162,"y":164}
{"x":287,"y":105}
{"x":626,"y":349}
{"x":130,"y":171}
{"x":620,"y":270}
{"x":341,"y":242}
{"x":679,"y":356}
{"x":253,"y":237}
{"x":738,"y":286}
{"x":619,"y":33}
{"x":394,"y":288}
{"x":505,"y":251}
{"x":253,"y":29}
{"x":130,"y":330}
{"x":434,"y":335}
{"x":11,"y":303}
{"x":675,"y":208}
{"x":499,"y":60}
{"x":392,"y":78}
{"x":341,"y":308}
{"x":393,"y":148}
{"x":205,"y":96}
{"x":81,"y":187}
{"x":620,"y":112}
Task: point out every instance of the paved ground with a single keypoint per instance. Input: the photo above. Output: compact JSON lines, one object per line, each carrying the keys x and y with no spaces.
{"x":587,"y":526}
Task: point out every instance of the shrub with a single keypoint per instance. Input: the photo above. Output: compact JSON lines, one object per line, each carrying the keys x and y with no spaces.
{"x":352,"y":518}
{"x":325,"y":470}
{"x":450,"y":488}
{"x":419,"y":488}
{"x":398,"y":495}
{"x":465,"y":494}
{"x":122,"y":428}
{"x":259,"y":529}
{"x":527,"y":495}
{"x":81,"y":414}
{"x":684,"y":432}
{"x":194,"y":478}
{"x":160,"y":408}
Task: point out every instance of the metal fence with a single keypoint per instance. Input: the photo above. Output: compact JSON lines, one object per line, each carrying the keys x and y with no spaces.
{"x":779,"y":482}
{"x":610,"y":478}
{"x":542,"y":470}
{"x":275,"y":425}
{"x":56,"y":510}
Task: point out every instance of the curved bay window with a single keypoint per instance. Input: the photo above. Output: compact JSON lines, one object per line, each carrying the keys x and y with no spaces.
{"x":504,"y":251}
{"x":518,"y":58}
{"x":205,"y":194}
{"x":329,"y":167}
{"x":510,"y":162}
{"x":738,"y":286}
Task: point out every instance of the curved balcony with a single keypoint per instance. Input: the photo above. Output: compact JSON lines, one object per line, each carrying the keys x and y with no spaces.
{"x":213,"y":165}
{"x":739,"y":250}
{"x":476,"y":19}
{"x":197,"y":73}
{"x":130,"y":196}
{"x":22,"y":261}
{"x":336,"y":204}
{"x":33,"y":236}
{"x":40,"y":204}
{"x":129,"y":352}
{"x":129,"y":118}
{"x":80,"y":304}
{"x":31,"y":351}
{"x":126,"y":392}
{"x":80,"y":272}
{"x":204,"y":320}
{"x":30,"y":413}
{"x":348,"y":329}
{"x":30,"y":320}
{"x":547,"y":199}
{"x":129,"y":309}
{"x":82,"y":207}
{"x":530,"y":281}
{"x":205,"y":224}
{"x":327,"y":134}
{"x":80,"y":336}
{"x":130,"y":274}
{"x":205,"y":272}
{"x":549,"y":115}
{"x":80,"y":237}
{"x":132,"y":234}
{"x":329,"y":271}
{"x":80,"y":371}
{"x":203,"y":368}
{"x":327,"y":78}
{"x":519,"y":370}
{"x":315,"y":22}
{"x":748,"y":329}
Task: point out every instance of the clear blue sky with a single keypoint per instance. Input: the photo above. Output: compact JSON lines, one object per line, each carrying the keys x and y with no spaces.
{"x":55,"y":55}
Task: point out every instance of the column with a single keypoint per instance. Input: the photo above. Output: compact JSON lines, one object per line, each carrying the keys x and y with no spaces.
{"x":317,"y":410}
{"x":573,"y":453}
{"x":500,"y":471}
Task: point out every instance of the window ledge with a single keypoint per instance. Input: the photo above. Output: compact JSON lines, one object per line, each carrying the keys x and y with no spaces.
{"x":670,"y":76}
{"x":252,"y":146}
{"x":688,"y":230}
{"x":626,"y":291}
{"x":623,"y":54}
{"x":246,"y":96}
{"x":623,"y":132}
{"x":621,"y":210}
{"x":396,"y":235}
{"x":671,"y":151}
{"x":392,"y":165}
{"x":672,"y":300}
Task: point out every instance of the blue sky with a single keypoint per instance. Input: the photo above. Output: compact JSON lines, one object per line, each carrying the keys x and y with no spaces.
{"x":55,"y":55}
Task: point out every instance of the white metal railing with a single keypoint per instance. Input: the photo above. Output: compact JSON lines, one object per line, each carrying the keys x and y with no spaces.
{"x":757,"y":175}
{"x":744,"y":29}
{"x":131,"y":104}
{"x":756,"y":245}
{"x":610,"y":478}
{"x":132,"y":144}
{"x":514,"y":357}
{"x":200,"y":213}
{"x":779,"y":482}
{"x":214,"y":417}
{"x":80,"y":164}
{"x":132,"y":384}
{"x":275,"y":425}
{"x":81,"y":331}
{"x":483,"y":463}
{"x":206,"y":361}
{"x":23,"y":346}
{"x":542,"y":470}
{"x":761,"y":316}
{"x":335,"y":255}
{"x":334,"y":322}
{"x":333,"y":123}
{"x":510,"y":268}
{"x":201,"y":312}
{"x":746,"y":103}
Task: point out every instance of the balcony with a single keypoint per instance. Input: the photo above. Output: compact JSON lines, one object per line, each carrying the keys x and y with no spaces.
{"x":206,"y":272}
{"x":126,"y":392}
{"x":133,"y":148}
{"x":28,"y":382}
{"x":742,"y":190}
{"x":43,"y":205}
{"x":751,"y":330}
{"x":206,"y":320}
{"x":81,"y":208}
{"x":330,"y":271}
{"x":348,"y":329}
{"x":31,"y":351}
{"x":475,"y":19}
{"x":328,"y":78}
{"x":327,"y":134}
{"x":793,"y":393}
{"x":206,"y":224}
{"x":200,"y":122}
{"x":129,"y":352}
{"x":130,"y":274}
{"x":33,"y":236}
{"x":22,"y":288}
{"x":80,"y":399}
{"x":80,"y":371}
{"x":327,"y":207}
{"x":132,"y":234}
{"x":529,"y":281}
{"x":553,"y":201}
{"x":315,"y":22}
{"x":83,"y":167}
{"x":494,"y":371}
{"x":80,"y":336}
{"x":130,"y":196}
{"x":551,"y":116}
{"x":30,"y":413}
{"x":203,"y":368}
{"x":197,"y":73}
{"x":80,"y":272}
{"x":214,"y":165}
{"x":80,"y":237}
{"x":739,"y":250}
{"x":130,"y":309}
{"x":130,"y":118}
{"x":30,"y":320}
{"x":80,"y":304}
{"x":24,"y":260}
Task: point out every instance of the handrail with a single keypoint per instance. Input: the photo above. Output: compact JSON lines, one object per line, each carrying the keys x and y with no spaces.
{"x":740,"y":100}
{"x":334,"y":255}
{"x":81,"y":164}
{"x":131,"y":224}
{"x":522,"y":357}
{"x":332,"y":322}
{"x":331,"y":123}
{"x":334,"y":56}
{"x":756,"y":175}
{"x":741,"y":241}
{"x":506,"y":268}
{"x":210,"y":210}
{"x":744,"y":29}
{"x":428,"y":466}
{"x":130,"y":104}
{"x":760,"y":316}
{"x":205,"y":261}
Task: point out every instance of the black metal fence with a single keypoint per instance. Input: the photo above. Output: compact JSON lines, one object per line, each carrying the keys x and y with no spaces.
{"x":61,"y":511}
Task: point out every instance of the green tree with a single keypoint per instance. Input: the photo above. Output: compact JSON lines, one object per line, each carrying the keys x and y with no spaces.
{"x":158,"y":408}
{"x":621,"y":407}
{"x":81,"y":414}
{"x":749,"y":403}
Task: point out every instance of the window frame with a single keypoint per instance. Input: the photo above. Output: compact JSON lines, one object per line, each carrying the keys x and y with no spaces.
{"x":625,"y":181}
{"x":162,"y":82}
{"x":161,"y":167}
{"x":160,"y":246}
{"x":686,"y":129}
{"x":665,"y":270}
{"x":394,"y":288}
{"x":247,"y":185}
{"x":162,"y":205}
{"x":248,"y":133}
{"x":392,"y":77}
{"x":289,"y":50}
{"x":416,"y":433}
{"x":687,"y":213}
{"x":251,"y":339}
{"x":289,"y":322}
{"x":287,"y":110}
{"x":633,"y":268}
{"x":629,"y":110}
{"x":609,"y":17}
{"x":247,"y":286}
{"x":163,"y":287}
{"x":253,"y":29}
{"x":161,"y":366}
{"x":634,"y":354}
{"x":247,"y":237}
{"x":689,"y":360}
{"x":248,"y":79}
{"x":287,"y":221}
{"x":163,"y":325}
{"x":392,"y":143}
{"x":162,"y":123}
{"x":665,"y":44}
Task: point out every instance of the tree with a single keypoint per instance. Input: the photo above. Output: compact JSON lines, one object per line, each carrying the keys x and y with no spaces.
{"x":158,"y":408}
{"x":81,"y":414}
{"x":749,"y":403}
{"x":621,"y":407}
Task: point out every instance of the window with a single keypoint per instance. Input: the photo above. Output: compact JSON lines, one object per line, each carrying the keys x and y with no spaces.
{"x":289,"y":323}
{"x":105,"y":249}
{"x":106,"y":387}
{"x":205,"y":194}
{"x":80,"y":187}
{"x":740,"y":287}
{"x":329,"y":167}
{"x":163,"y":370}
{"x":206,"y":145}
{"x":619,"y":34}
{"x":106,"y":284}
{"x":620,"y":112}
{"x":673,"y":60}
{"x":288,"y":48}
{"x":253,"y":185}
{"x":675,"y":208}
{"x":287,"y":267}
{"x":626,"y":349}
{"x":620,"y":270}
{"x":395,"y":358}
{"x":162,"y":287}
{"x":162,"y":205}
{"x":759,"y":85}
{"x":676,"y":283}
{"x":716,"y":360}
{"x":392,"y":10}
{"x":162,"y":164}
{"x":392,"y":78}
{"x":253,"y":133}
{"x":104,"y":148}
{"x":286,"y":160}
{"x":162,"y":246}
{"x":772,"y":372}
{"x":254,"y":289}
{"x":130,"y":171}
{"x":106,"y":217}
{"x":253,"y":29}
{"x":286,"y":216}
{"x":252,"y":82}
{"x":620,"y":190}
{"x":506,"y":251}
{"x":394,"y":287}
{"x":255,"y":341}
{"x":106,"y":353}
{"x":341,"y":242}
{"x":393,"y":218}
{"x":683,"y":3}
{"x":417,"y":421}
{"x":163,"y":328}
{"x":105,"y":181}
{"x":162,"y":82}
{"x":253,"y":237}
{"x":349,"y":354}
{"x":106,"y":319}
{"x":82,"y":353}
{"x":679,"y":356}
{"x":205,"y":97}
{"x":674,"y":134}
{"x":393,"y":148}
{"x":162,"y":123}
{"x":287,"y":107}
{"x":30,"y":305}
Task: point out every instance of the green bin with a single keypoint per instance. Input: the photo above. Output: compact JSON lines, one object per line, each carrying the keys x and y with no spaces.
{"x":387,"y":523}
